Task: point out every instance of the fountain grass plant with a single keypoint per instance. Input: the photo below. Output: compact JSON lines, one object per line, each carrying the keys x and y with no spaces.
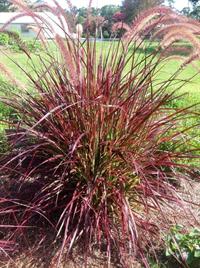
{"x":88,"y":158}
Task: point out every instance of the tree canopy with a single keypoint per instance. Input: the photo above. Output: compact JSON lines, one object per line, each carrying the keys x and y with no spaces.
{"x":194,"y":2}
{"x":7,"y":6}
{"x":4,"y":5}
{"x":131,"y":8}
{"x":193,"y":11}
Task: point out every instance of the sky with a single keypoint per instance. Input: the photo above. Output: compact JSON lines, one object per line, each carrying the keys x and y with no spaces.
{"x":179,"y":4}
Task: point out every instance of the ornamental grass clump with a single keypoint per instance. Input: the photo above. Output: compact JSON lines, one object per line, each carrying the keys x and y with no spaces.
{"x":88,"y":160}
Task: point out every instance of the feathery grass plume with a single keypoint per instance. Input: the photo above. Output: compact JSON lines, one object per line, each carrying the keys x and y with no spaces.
{"x":160,"y":18}
{"x":161,"y":21}
{"x":146,"y":17}
{"x":89,"y":16}
{"x":176,"y":51}
{"x":15,"y":36}
{"x":61,"y":11}
{"x":67,"y":50}
{"x":79,"y":30}
{"x":178,"y":26}
{"x":173,"y":33}
{"x":90,"y":4}
{"x":13,"y":18}
{"x":98,"y":153}
{"x":165,"y":24}
{"x":72,"y":11}
{"x":176,"y":35}
{"x":192,"y":58}
{"x":120,"y":25}
{"x":193,"y":21}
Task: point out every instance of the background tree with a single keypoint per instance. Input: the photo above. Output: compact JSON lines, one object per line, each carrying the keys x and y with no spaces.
{"x":81,"y":15}
{"x":104,"y":14}
{"x":171,"y":3}
{"x":29,"y":3}
{"x":108,"y":12}
{"x":99,"y":24}
{"x":94,"y":26}
{"x":131,"y":8}
{"x":193,"y":11}
{"x":194,"y":2}
{"x":186,"y":11}
{"x":4,"y":5}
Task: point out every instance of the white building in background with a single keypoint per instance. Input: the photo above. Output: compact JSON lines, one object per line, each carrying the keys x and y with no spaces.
{"x":27,"y":26}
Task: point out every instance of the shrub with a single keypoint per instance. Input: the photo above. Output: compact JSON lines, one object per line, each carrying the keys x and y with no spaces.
{"x":86,"y":159}
{"x":9,"y":38}
{"x":14,"y":41}
{"x":183,"y":245}
{"x":31,"y":46}
{"x":13,"y":37}
{"x":106,"y":34}
{"x":4,"y":39}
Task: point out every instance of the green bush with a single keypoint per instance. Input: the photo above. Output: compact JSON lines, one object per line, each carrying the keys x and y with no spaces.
{"x":7,"y":38}
{"x":185,"y":246}
{"x":106,"y":34}
{"x":4,"y":39}
{"x":14,"y":41}
{"x":31,"y":45}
